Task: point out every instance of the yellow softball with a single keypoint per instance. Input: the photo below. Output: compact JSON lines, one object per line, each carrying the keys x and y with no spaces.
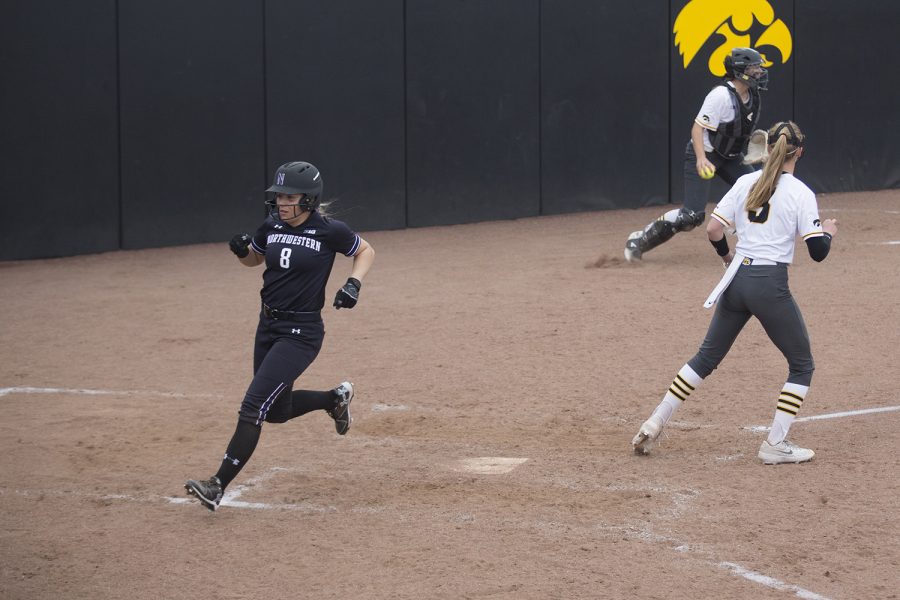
{"x":708,"y":172}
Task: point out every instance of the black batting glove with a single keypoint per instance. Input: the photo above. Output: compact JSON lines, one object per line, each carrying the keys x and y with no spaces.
{"x":348,"y":295}
{"x":239,"y":244}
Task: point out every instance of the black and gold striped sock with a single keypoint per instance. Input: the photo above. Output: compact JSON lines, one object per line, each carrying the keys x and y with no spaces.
{"x":680,"y":387}
{"x":789,"y":402}
{"x":685,"y":382}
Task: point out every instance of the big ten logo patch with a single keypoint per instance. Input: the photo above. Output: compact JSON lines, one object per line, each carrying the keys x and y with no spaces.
{"x":727,"y":24}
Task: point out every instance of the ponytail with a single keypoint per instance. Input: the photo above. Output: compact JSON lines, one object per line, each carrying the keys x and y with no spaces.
{"x":787,"y":138}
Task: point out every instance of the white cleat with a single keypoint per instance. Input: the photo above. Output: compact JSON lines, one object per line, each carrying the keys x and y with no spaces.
{"x":783,"y":452}
{"x":341,"y":411}
{"x":632,"y":248}
{"x":647,"y":434}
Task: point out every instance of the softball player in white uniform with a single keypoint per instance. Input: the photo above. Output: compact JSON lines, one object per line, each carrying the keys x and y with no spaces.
{"x":720,"y":136}
{"x":768,"y":209}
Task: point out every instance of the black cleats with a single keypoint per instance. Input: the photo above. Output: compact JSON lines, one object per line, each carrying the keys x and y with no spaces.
{"x":209,"y":492}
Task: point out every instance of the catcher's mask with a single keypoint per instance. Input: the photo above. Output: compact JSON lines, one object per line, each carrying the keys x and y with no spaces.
{"x":296,"y":178}
{"x":737,"y":63}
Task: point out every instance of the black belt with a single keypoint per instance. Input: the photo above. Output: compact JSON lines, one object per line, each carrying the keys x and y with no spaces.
{"x":287,"y":315}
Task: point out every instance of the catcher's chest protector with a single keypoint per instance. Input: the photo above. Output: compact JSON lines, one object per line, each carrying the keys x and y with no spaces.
{"x":730,"y":139}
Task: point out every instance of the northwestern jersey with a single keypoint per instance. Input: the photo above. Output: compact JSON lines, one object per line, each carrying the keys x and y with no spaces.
{"x":769,"y":232}
{"x":299,"y":260}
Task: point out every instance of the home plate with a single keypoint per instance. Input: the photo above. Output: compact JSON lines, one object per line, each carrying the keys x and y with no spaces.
{"x":490,"y":465}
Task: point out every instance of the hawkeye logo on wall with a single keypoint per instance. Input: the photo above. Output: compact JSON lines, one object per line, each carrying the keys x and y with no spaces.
{"x":738,"y":23}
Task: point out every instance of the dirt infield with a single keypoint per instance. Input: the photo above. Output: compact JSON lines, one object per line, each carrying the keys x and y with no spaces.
{"x":501,"y":371}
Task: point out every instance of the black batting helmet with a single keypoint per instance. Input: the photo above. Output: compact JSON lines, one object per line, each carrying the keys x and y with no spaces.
{"x":738,"y":61}
{"x":299,"y":178}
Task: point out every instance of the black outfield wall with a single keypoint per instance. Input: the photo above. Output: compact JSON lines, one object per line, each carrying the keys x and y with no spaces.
{"x":604,"y":105}
{"x":192,"y":142}
{"x":334,"y":97}
{"x":133,"y":124}
{"x":472,"y":90}
{"x":59,"y":156}
{"x":847,"y":84}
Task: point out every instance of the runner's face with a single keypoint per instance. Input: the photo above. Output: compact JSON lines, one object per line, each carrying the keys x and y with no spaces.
{"x":288,"y":206}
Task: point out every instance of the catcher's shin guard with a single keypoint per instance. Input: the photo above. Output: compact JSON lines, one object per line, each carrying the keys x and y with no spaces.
{"x":685,"y":219}
{"x":661,"y":231}
{"x":656,"y":233}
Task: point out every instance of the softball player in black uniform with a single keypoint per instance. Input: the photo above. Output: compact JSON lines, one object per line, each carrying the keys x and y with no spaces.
{"x":298,"y":245}
{"x":768,"y":209}
{"x":719,"y":139}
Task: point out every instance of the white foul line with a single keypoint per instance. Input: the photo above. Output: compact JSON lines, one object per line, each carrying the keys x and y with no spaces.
{"x":36,"y":390}
{"x":646,"y":535}
{"x":770,"y":581}
{"x":849,"y":413}
{"x":641,"y":534}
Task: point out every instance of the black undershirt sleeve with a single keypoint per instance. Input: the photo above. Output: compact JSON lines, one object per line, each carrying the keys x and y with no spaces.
{"x":819,"y":246}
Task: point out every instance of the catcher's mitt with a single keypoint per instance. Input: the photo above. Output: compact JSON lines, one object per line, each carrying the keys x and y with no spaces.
{"x":757,"y":148}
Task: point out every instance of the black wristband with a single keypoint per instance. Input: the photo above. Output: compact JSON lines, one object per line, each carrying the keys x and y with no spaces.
{"x":356,"y":282}
{"x":721,"y":246}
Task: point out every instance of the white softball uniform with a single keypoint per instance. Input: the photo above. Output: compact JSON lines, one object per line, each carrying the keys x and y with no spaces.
{"x":756,"y":283}
{"x":769,"y":232}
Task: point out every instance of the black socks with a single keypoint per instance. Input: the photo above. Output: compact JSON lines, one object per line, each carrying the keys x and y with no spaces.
{"x":240,"y":448}
{"x":246,"y":435}
{"x":304,"y":401}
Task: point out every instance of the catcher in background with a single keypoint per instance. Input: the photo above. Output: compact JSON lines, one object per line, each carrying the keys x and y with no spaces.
{"x":768,"y":209}
{"x":298,"y":244}
{"x":720,"y":137}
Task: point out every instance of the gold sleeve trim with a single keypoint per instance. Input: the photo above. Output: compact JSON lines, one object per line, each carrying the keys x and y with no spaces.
{"x":722,"y":219}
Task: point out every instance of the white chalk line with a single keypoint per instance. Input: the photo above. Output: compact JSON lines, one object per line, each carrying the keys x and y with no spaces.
{"x":90,"y":392}
{"x":643,"y":534}
{"x":38,"y":494}
{"x":770,"y":581}
{"x":737,"y":456}
{"x":388,"y":407}
{"x":837,"y":415}
{"x":680,"y":499}
{"x":87,"y":392}
{"x":863,"y":210}
{"x":230,"y":498}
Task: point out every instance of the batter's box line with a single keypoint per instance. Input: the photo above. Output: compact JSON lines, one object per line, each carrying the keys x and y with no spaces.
{"x":155,"y":498}
{"x":837,"y":415}
{"x":230,"y":499}
{"x":88,"y":392}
